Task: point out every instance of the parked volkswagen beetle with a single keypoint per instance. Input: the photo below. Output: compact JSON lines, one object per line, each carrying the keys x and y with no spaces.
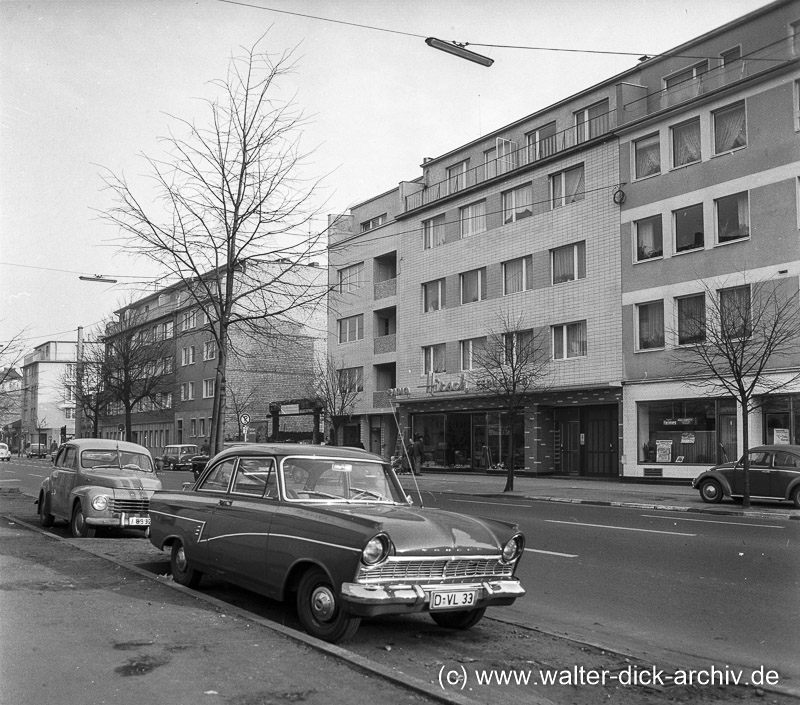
{"x":332,"y":529}
{"x":774,"y":474}
{"x":97,"y":482}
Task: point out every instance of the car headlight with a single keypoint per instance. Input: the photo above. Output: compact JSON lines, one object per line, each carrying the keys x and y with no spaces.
{"x":513,"y":548}
{"x":100,"y":502}
{"x":376,"y":550}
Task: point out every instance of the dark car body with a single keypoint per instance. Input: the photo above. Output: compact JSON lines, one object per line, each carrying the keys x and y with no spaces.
{"x":332,"y":528}
{"x":178,"y":457}
{"x":98,"y":482}
{"x":774,"y":474}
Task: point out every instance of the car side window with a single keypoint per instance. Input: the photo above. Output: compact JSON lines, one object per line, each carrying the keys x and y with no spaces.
{"x":786,"y":460}
{"x":760,"y":459}
{"x":67,"y":459}
{"x":220,"y":477}
{"x":253,"y":476}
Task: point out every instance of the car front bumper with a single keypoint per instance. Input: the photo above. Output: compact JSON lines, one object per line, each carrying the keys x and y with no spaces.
{"x":373,"y":600}
{"x":124,"y":521}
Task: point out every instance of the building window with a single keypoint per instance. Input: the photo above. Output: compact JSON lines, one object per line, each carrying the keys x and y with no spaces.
{"x":473,"y":219}
{"x":650,"y":318}
{"x":457,"y":177}
{"x":168,"y":330}
{"x":649,"y":238}
{"x":733,"y":217}
{"x":373,"y":223}
{"x":518,"y":275}
{"x":473,"y":286}
{"x":489,"y":163}
{"x":686,"y":143}
{"x":568,"y":263}
{"x":691,"y":319}
{"x":731,"y":56}
{"x":188,"y":356}
{"x":433,"y":296}
{"x":518,"y":204}
{"x":210,"y":350}
{"x":591,"y":122}
{"x":351,"y":278}
{"x":351,"y":329}
{"x":166,"y":365}
{"x":193,"y":428}
{"x":433,"y":232}
{"x":567,"y":186}
{"x":569,"y":340}
{"x":518,"y":347}
{"x":664,"y":427}
{"x":202,"y":428}
{"x":433,"y":358}
{"x":541,"y":143}
{"x":730,"y":128}
{"x":647,"y":156}
{"x":682,"y":77}
{"x":689,"y":228}
{"x":189,"y":320}
{"x":208,"y":388}
{"x":351,"y":380}
{"x":734,"y":312}
{"x":471,"y":351}
{"x":187,"y":391}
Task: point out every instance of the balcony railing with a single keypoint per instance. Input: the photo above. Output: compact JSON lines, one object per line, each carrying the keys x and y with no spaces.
{"x":512,"y":160}
{"x":381,"y":400}
{"x":385,"y":344}
{"x":386,"y":288}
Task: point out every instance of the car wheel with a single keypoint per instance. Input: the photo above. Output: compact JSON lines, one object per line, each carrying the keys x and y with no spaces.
{"x":182,"y":572}
{"x":45,"y":518}
{"x":796,"y":496}
{"x":711,"y":491}
{"x":78,"y":526}
{"x":319,"y":609}
{"x":460,"y":619}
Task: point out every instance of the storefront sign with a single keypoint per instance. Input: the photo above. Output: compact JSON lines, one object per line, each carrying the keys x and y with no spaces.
{"x":399,"y":392}
{"x":435,"y":386}
{"x":687,"y":421}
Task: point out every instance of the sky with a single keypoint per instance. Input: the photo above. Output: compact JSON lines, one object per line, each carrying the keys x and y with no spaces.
{"x":91,"y":85}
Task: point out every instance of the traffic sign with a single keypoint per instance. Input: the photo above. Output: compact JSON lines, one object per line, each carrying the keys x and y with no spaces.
{"x":245,"y":419}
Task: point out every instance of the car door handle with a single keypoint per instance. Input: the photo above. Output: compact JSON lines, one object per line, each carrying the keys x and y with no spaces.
{"x":225,"y":502}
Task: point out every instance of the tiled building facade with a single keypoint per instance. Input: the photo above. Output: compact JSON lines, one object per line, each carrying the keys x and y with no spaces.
{"x":550,"y":221}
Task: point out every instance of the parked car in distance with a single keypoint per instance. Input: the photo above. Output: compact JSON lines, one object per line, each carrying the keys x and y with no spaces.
{"x":199,"y":462}
{"x":332,"y":529}
{"x":36,"y":450}
{"x":178,"y":457}
{"x":98,"y":482}
{"x":774,"y":474}
{"x":5,"y":453}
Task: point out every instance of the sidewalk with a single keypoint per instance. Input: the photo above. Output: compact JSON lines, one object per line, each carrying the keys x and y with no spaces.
{"x":580,"y":491}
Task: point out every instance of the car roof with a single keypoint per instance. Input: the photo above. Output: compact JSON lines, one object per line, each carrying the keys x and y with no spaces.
{"x":792,"y":448}
{"x":298,"y":449}
{"x":106,"y":444}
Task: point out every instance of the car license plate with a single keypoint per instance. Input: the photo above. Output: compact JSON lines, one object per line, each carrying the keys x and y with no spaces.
{"x":138,"y":521}
{"x":452,"y":599}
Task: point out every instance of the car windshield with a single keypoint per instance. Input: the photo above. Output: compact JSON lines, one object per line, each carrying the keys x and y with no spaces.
{"x":115,"y":458}
{"x":338,"y":480}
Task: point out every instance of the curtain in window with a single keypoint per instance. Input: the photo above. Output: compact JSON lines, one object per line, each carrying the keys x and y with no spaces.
{"x":576,"y":339}
{"x":432,"y":297}
{"x":473,"y":219}
{"x":735,"y":311}
{"x":744,"y":216}
{"x":691,"y":319}
{"x":648,"y":157}
{"x":651,"y":325}
{"x":470,"y":290}
{"x":563,"y":265}
{"x":686,"y":143}
{"x":514,"y":277}
{"x":649,"y":239}
{"x":729,"y":129}
{"x":438,"y":358}
{"x":574,"y":185}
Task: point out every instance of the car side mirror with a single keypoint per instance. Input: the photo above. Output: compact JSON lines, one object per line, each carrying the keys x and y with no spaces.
{"x":187,"y":486}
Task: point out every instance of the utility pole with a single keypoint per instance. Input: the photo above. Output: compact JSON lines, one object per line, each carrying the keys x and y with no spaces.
{"x":79,"y":387}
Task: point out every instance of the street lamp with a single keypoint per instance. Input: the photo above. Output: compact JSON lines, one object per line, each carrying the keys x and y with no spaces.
{"x":459,"y":50}
{"x":98,"y":278}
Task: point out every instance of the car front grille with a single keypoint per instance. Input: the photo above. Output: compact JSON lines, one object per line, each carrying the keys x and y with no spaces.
{"x":116,"y":504}
{"x":434,"y":569}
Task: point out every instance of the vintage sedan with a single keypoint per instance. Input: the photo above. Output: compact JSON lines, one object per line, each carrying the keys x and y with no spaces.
{"x":178,"y":457}
{"x":774,"y":474}
{"x":332,"y":529}
{"x":98,"y":482}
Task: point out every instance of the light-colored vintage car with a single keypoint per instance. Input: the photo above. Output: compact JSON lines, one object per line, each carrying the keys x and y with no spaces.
{"x":97,"y":482}
{"x":332,"y":529}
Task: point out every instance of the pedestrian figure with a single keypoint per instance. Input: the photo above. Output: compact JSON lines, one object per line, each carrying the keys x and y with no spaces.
{"x":418,"y":454}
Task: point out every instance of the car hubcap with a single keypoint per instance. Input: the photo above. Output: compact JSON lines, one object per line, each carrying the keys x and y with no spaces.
{"x":322,"y":604}
{"x":180,"y":559}
{"x":711,"y":491}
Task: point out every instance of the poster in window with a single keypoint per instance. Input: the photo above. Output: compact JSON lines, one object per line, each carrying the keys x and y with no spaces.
{"x":687,"y":438}
{"x":780,"y":436}
{"x":663,"y":451}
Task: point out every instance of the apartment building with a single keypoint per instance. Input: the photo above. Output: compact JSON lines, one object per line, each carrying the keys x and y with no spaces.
{"x":550,"y":222}
{"x":710,"y":153}
{"x":48,"y":392}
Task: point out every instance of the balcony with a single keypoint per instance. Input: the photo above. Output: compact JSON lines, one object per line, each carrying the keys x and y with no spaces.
{"x":385,"y":344}
{"x":381,"y":400}
{"x":385,"y":288}
{"x":512,"y":160}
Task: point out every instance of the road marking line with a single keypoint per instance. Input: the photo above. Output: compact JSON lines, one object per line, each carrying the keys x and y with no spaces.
{"x":714,"y":521}
{"x":619,"y":528}
{"x":553,"y":553}
{"x":474,"y":501}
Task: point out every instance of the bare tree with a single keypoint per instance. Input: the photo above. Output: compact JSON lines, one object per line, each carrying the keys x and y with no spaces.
{"x":509,"y":365}
{"x":235,"y":211}
{"x":741,"y":341}
{"x":136,"y":368}
{"x":337,"y":389}
{"x":12,"y":355}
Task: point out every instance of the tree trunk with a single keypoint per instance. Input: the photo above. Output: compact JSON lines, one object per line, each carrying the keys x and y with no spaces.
{"x":746,"y":456}
{"x":510,"y":460}
{"x":217,"y":431}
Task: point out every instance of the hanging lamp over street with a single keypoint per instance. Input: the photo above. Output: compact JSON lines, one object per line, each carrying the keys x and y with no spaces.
{"x":459,"y":50}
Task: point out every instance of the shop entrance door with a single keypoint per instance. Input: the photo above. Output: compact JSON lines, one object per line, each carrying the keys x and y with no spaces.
{"x":569,"y":447}
{"x":727,"y":438}
{"x":601,"y":441}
